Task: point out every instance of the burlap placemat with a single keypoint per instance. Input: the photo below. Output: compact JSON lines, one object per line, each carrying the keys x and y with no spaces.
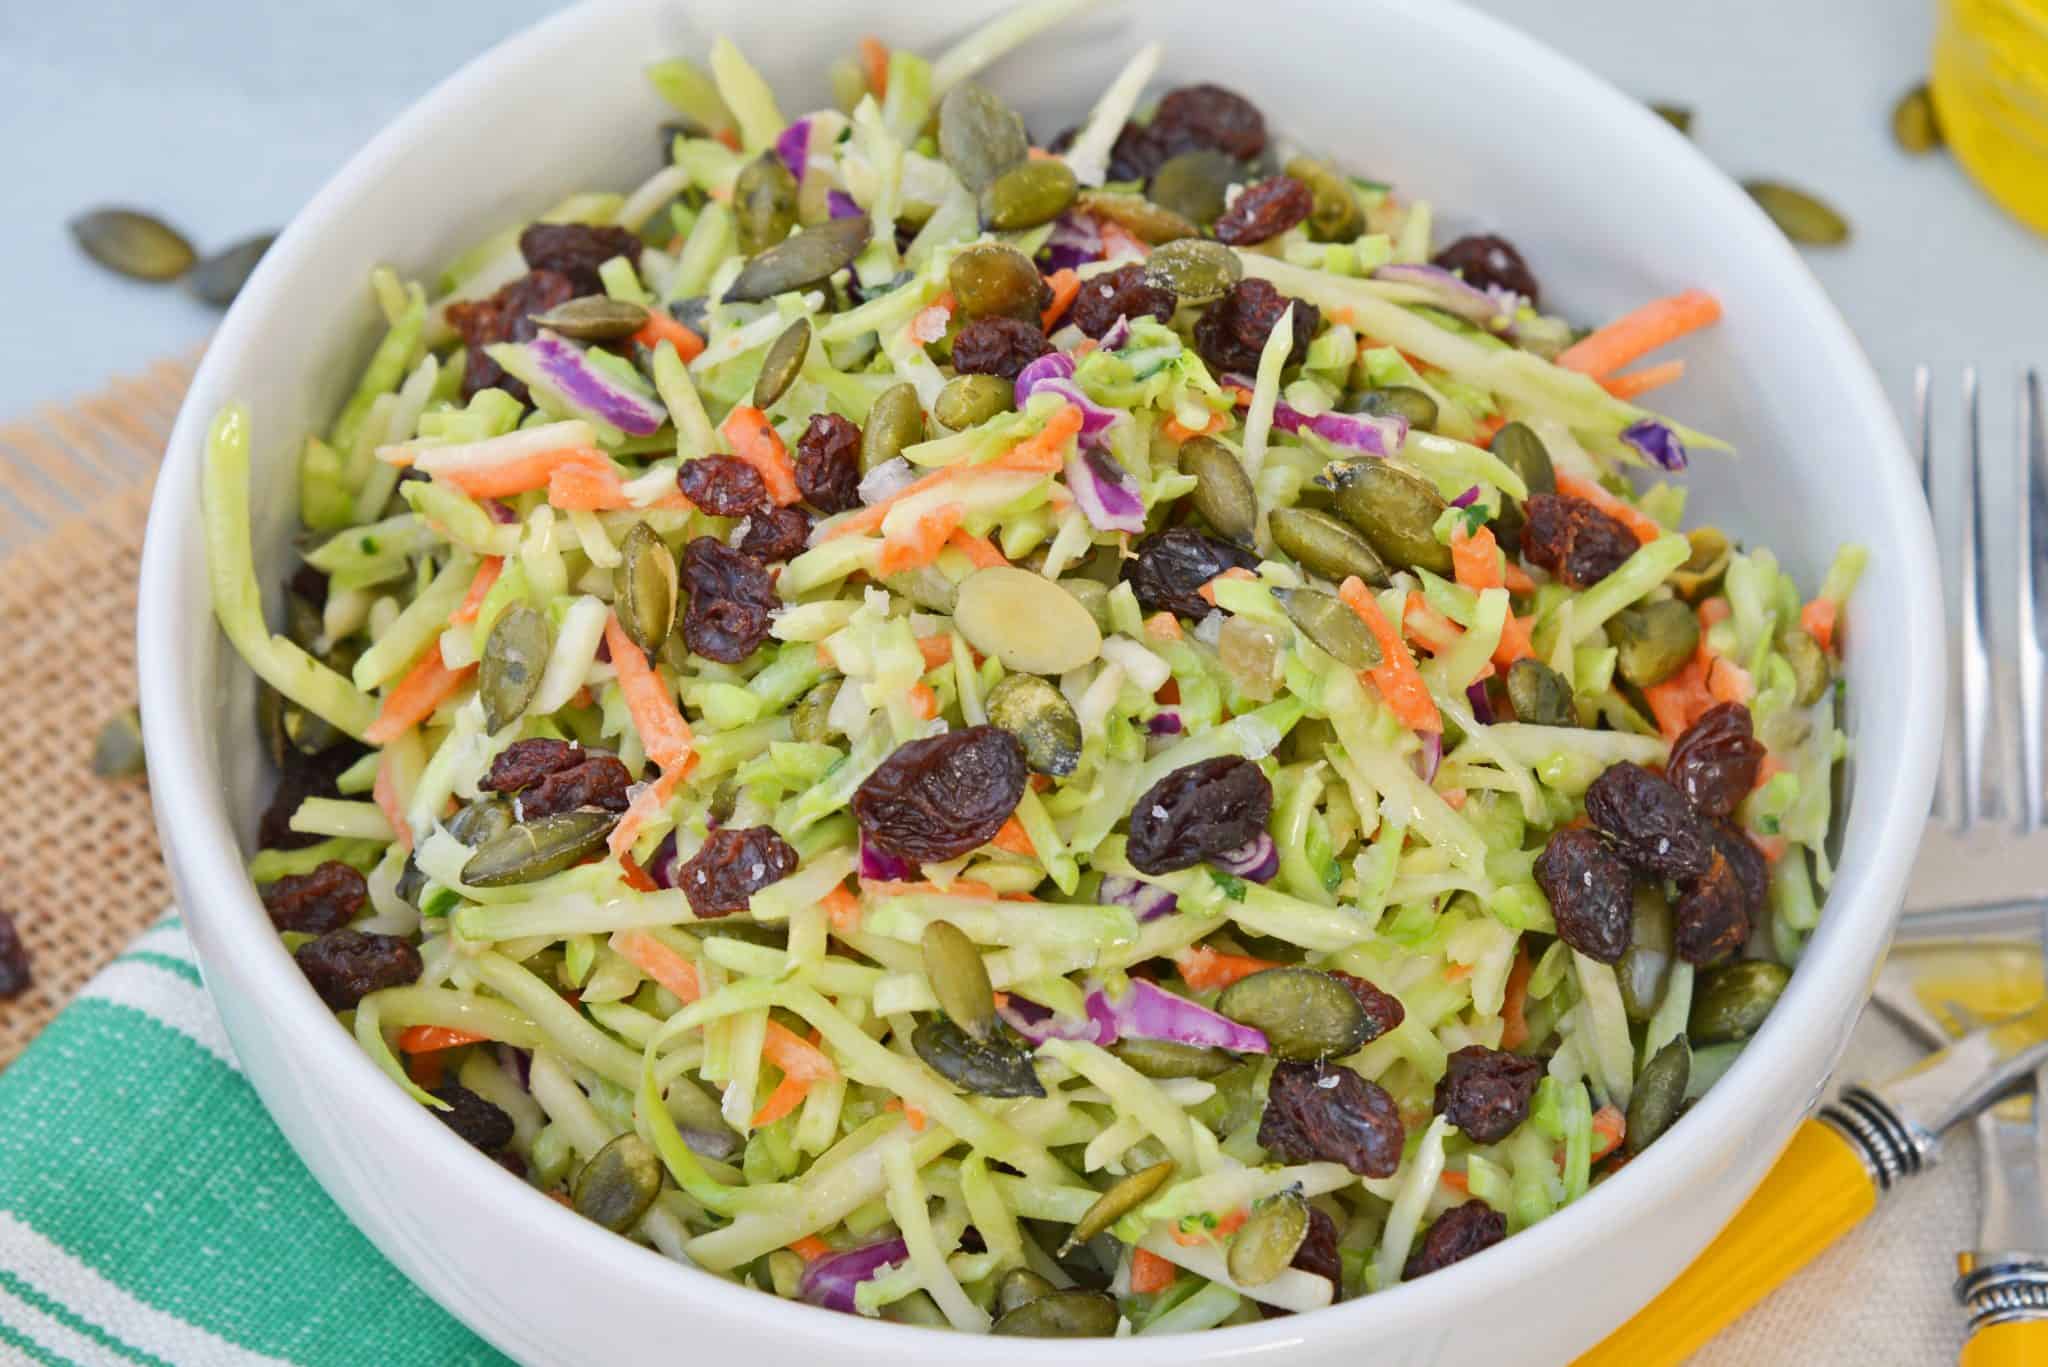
{"x":79,"y":868}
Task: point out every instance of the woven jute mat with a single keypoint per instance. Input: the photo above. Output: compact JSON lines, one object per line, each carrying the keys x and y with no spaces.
{"x":80,"y":872}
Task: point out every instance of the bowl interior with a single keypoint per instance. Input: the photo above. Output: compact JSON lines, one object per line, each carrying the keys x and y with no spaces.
{"x":1609,"y":206}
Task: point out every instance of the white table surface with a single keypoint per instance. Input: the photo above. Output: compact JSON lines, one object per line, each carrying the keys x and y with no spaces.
{"x":225,"y":116}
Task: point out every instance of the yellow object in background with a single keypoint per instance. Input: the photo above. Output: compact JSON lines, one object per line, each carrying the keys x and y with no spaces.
{"x":2023,"y":1343}
{"x":1990,"y":87}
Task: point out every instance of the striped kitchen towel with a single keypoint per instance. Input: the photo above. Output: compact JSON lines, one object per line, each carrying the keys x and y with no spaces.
{"x":151,"y":1213}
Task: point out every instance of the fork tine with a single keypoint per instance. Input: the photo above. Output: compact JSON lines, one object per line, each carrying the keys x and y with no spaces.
{"x":2032,"y":450}
{"x":1979,"y":801}
{"x":1923,"y":432}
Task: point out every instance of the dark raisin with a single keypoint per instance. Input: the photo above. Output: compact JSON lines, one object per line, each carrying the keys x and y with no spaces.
{"x":1318,"y":1252}
{"x":776,"y":534}
{"x":314,"y":903}
{"x":599,"y":781}
{"x":1232,"y":332}
{"x":303,"y":776}
{"x":346,"y":965}
{"x":1210,"y":116}
{"x":577,"y":250}
{"x":1383,"y":1010}
{"x":1484,"y":260}
{"x":1139,"y":150}
{"x":505,"y":317}
{"x":524,"y":763}
{"x":732,"y":866}
{"x":1198,"y":811}
{"x":1486,"y":1092}
{"x":1573,"y":539}
{"x":1652,"y":827}
{"x":1171,"y":567}
{"x":731,"y":599}
{"x":1457,"y":1234}
{"x":998,"y":346}
{"x":1121,"y":293}
{"x":510,"y":1161}
{"x":938,"y":798}
{"x":828,"y":463}
{"x":310,"y":584}
{"x":1590,"y":894}
{"x":1319,"y":1112}
{"x":1264,"y":210}
{"x":1711,"y":915}
{"x":723,"y":486}
{"x":475,"y":1119}
{"x":1714,"y":763}
{"x":15,"y":976}
{"x":1752,"y":871}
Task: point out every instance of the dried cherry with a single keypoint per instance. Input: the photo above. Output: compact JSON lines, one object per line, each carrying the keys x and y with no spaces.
{"x":938,"y":798}
{"x":1484,"y":260}
{"x":776,"y":534}
{"x":1486,"y":1092}
{"x":733,"y":865}
{"x":1198,"y":811}
{"x":1264,"y":210}
{"x":577,"y":250}
{"x":1590,"y":894}
{"x":505,"y":317}
{"x":1319,"y":1112}
{"x":998,"y":346}
{"x":723,"y":486}
{"x":1232,"y":332}
{"x":1652,"y":827}
{"x":1457,"y":1234}
{"x":1171,"y":567}
{"x":732,"y":599}
{"x":1209,"y":116}
{"x":1574,"y":540}
{"x":480,"y":1122}
{"x":1121,"y":293}
{"x":344,"y":966}
{"x":314,"y":903}
{"x":828,"y":463}
{"x":1714,"y":762}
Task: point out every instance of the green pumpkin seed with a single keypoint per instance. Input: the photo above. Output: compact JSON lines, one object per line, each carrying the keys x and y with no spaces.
{"x":270,"y":710}
{"x":799,"y":262}
{"x":1304,"y":1015}
{"x":1028,"y":194}
{"x":1041,"y":719}
{"x":1196,"y":270}
{"x":138,"y":245}
{"x":1020,"y":1286}
{"x":532,"y":850}
{"x":1070,"y":1314}
{"x":990,"y":280}
{"x":959,"y":978}
{"x":1326,"y":546}
{"x":1521,"y":450}
{"x":1916,"y":125}
{"x":1121,"y":1199}
{"x":1195,"y":184}
{"x":218,"y":278}
{"x":1337,"y":215}
{"x":811,"y":722}
{"x":1541,"y":696}
{"x":1702,"y":569}
{"x":971,"y":400}
{"x":1409,"y":404}
{"x":1139,"y":216}
{"x":1093,"y":595}
{"x":117,"y":750}
{"x":1655,"y":640}
{"x":895,"y":421}
{"x":1732,"y":1000}
{"x":515,"y":655}
{"x":479,"y":822}
{"x":1677,"y":115}
{"x":1165,"y":1058}
{"x":1223,"y":491}
{"x":1803,"y":217}
{"x":644,"y":587}
{"x":1333,"y":626}
{"x":1645,"y":966}
{"x":926,"y":586}
{"x":784,"y":362}
{"x":594,"y":318}
{"x":1026,"y":621}
{"x":994,"y":1066}
{"x":618,"y":1184}
{"x":1265,"y":1244}
{"x":763,"y":203}
{"x":1659,"y":1094}
{"x":980,"y":137}
{"x":1396,"y":512}
{"x":1811,"y":670}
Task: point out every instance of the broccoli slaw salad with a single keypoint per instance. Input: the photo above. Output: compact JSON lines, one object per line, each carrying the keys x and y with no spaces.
{"x":1069,"y":739}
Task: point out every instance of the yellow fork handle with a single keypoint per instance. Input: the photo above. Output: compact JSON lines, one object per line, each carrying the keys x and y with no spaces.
{"x":2020,"y":1343}
{"x":1818,"y":1192}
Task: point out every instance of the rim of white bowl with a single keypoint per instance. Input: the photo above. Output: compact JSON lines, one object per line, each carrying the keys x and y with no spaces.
{"x":1761,"y":1086}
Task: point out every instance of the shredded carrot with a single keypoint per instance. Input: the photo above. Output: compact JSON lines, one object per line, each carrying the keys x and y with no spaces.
{"x":979,"y":550}
{"x":914,"y":1114}
{"x":842,"y":909}
{"x":1678,"y":701}
{"x":1427,"y":627}
{"x":1818,"y":617}
{"x":1610,"y":1127}
{"x":645,"y":806}
{"x":1488,"y":427}
{"x":663,"y":733}
{"x":1206,"y":969}
{"x":1517,"y":579}
{"x":662,"y":327}
{"x":1643,"y":381}
{"x":426,"y":1070}
{"x":1476,"y":560}
{"x":591,"y":489}
{"x":1517,"y":640}
{"x":1041,"y":454}
{"x":874,"y":64}
{"x":473,"y":601}
{"x":730,"y":137}
{"x":425,"y":1039}
{"x":937,"y":651}
{"x":1208,"y":590}
{"x":384,"y":792}
{"x":1514,"y":1025}
{"x":789,"y":1094}
{"x":518,"y":475}
{"x":1150,"y":1273}
{"x":1397,"y":678}
{"x":413,"y":698}
{"x":1168,"y":694}
{"x":1065,"y":285}
{"x":1646,"y":528}
{"x":658,"y":962}
{"x":921,"y":543}
{"x":754,"y":441}
{"x":1179,"y":431}
{"x":1165,"y":625}
{"x":1728,"y":681}
{"x":1346,"y":315}
{"x":959,"y":887}
{"x":1454,"y":798}
{"x":792,"y":1054}
{"x":1456,"y":1181}
{"x":636,"y":877}
{"x":1773,"y":846}
{"x":1715,"y":610}
{"x":1013,"y":839}
{"x":923,"y":701}
{"x":1767,"y":768}
{"x":1239,"y":395}
{"x":810,"y":1248}
{"x":1634,"y":335}
{"x":1456,"y":972}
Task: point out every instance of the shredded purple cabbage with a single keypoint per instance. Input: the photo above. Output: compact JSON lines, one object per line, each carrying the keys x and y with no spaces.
{"x":501,"y":512}
{"x":1366,"y":433}
{"x":830,"y":1281}
{"x":1106,"y":492}
{"x":1491,"y":307}
{"x":1165,"y":722}
{"x":1430,"y":756}
{"x":839,"y":204}
{"x":794,"y":147}
{"x":1482,"y":704}
{"x":883,"y":866}
{"x":663,"y":866}
{"x":1148,"y":900}
{"x":1074,"y":242}
{"x":1466,"y":499}
{"x":583,"y":384}
{"x":1118,"y":334}
{"x":1257,"y":859}
{"x":1658,"y":444}
{"x":1146,"y":1011}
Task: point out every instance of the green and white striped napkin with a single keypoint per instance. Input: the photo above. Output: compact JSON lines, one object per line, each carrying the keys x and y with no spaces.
{"x":151,"y":1213}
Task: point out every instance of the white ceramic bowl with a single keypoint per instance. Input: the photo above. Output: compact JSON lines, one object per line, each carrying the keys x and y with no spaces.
{"x":1610,"y":206}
